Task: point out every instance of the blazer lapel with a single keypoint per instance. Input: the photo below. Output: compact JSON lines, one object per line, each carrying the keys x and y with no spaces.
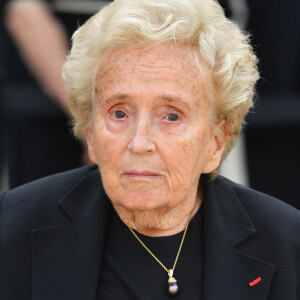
{"x":66,"y":258}
{"x":227,"y":271}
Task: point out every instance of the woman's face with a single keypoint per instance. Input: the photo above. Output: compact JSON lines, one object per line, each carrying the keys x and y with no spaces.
{"x":151,"y":135}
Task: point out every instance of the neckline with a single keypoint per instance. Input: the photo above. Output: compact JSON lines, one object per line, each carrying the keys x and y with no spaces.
{"x":164,"y":247}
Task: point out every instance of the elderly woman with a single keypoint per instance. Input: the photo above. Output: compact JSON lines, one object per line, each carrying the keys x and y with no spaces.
{"x":158,"y":89}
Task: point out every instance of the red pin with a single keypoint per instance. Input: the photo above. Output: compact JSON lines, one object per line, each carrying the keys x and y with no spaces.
{"x":254,"y":282}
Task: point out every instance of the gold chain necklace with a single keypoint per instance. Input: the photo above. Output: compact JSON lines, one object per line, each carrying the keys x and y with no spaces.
{"x":172,"y":282}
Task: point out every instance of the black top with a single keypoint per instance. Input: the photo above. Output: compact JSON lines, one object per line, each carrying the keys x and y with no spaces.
{"x":128,"y":271}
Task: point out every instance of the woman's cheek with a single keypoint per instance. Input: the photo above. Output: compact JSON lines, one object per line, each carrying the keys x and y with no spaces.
{"x":172,"y":128}
{"x":116,"y":126}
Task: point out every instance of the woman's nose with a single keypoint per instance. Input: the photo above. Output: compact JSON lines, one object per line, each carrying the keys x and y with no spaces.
{"x":141,"y":141}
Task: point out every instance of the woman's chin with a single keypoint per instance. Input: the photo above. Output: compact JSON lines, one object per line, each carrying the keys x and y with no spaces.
{"x":138,"y":197}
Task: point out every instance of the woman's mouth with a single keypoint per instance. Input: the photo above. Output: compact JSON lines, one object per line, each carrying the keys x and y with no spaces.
{"x":141,"y":174}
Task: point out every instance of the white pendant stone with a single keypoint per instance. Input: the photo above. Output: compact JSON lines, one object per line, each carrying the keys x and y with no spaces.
{"x":173,"y":288}
{"x":172,"y":284}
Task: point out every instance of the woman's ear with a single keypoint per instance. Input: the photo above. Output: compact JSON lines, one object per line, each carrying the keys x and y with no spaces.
{"x":91,"y":143}
{"x":219,"y":139}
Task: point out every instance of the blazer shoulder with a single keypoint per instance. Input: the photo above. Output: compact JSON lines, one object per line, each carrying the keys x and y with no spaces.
{"x":36,"y":202}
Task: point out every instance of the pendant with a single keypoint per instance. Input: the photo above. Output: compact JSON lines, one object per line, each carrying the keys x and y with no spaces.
{"x":172,"y":284}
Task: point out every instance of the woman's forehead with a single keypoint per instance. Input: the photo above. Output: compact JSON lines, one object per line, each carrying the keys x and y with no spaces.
{"x":157,"y":67}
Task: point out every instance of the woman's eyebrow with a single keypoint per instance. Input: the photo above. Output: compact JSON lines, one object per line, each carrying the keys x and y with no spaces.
{"x":167,"y":98}
{"x":108,"y":100}
{"x":175,"y":100}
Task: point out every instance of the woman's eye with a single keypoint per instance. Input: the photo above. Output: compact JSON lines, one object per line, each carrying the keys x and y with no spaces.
{"x":119,"y":114}
{"x":172,"y":117}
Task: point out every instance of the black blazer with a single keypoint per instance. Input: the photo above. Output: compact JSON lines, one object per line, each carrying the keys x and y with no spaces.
{"x":52,"y":235}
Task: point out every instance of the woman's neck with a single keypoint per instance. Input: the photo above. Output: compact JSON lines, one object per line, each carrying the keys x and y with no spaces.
{"x":161,"y":222}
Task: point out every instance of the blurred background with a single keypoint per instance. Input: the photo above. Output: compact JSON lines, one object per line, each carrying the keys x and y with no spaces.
{"x":35,"y":136}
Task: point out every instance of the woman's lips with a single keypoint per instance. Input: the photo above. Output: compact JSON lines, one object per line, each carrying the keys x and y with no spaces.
{"x":141,"y":174}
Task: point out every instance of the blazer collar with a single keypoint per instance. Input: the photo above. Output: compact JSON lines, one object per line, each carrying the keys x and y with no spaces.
{"x":224,"y":212}
{"x":227,"y":271}
{"x":84,"y":196}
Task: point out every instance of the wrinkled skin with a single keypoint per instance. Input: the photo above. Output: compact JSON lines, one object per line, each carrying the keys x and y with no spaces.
{"x":152,"y":137}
